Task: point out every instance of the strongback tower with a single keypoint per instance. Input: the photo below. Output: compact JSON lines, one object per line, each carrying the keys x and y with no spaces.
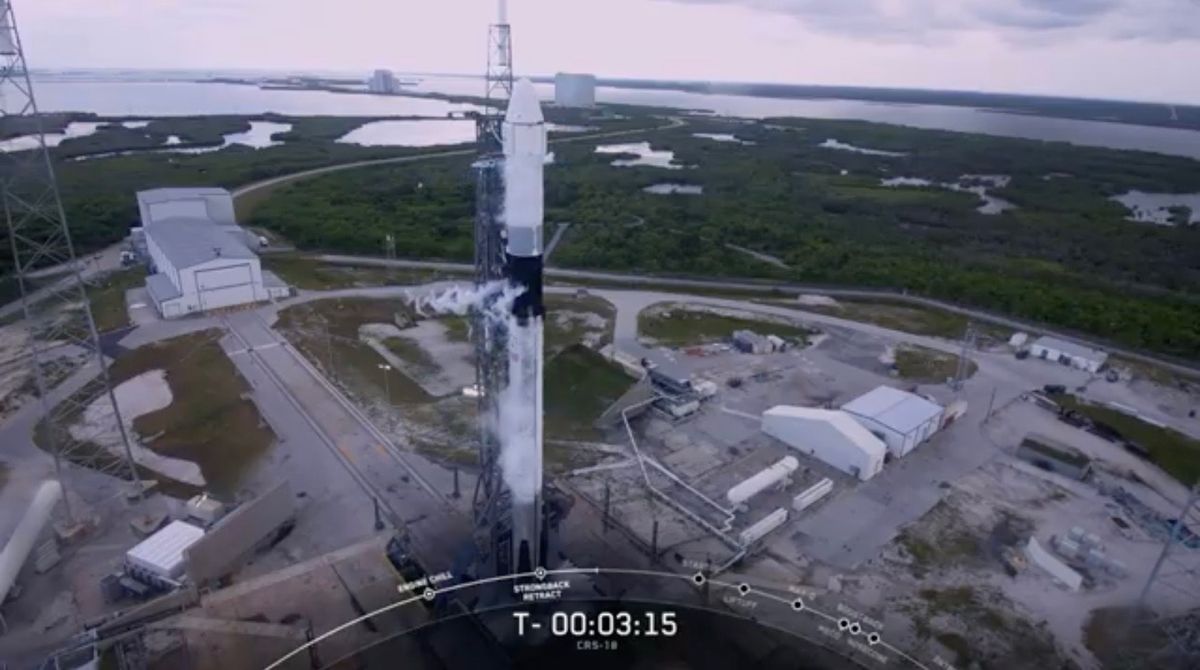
{"x":492,"y":504}
{"x":62,"y":333}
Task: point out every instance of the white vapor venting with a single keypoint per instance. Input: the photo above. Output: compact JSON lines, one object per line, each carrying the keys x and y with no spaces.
{"x":520,"y":426}
{"x":519,"y":422}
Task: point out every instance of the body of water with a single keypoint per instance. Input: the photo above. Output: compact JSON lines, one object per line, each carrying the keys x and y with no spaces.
{"x":132,"y":97}
{"x":645,"y":155}
{"x":258,"y":137}
{"x":967,"y":183}
{"x":1155,"y":207}
{"x":169,"y":98}
{"x":411,"y":133}
{"x":73,"y":129}
{"x":675,"y":189}
{"x":721,"y":137}
{"x":842,"y":146}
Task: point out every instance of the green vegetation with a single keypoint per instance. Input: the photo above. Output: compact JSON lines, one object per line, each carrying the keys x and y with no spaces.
{"x":308,"y":273}
{"x":921,"y":364}
{"x":900,"y":316}
{"x":1064,"y":455}
{"x":1066,"y":256}
{"x":458,"y":328}
{"x":683,"y":325}
{"x":975,"y":625}
{"x":957,"y":644}
{"x":326,"y":332}
{"x":1177,"y":454}
{"x":107,"y":296}
{"x":209,"y":420}
{"x":1113,"y":633}
{"x":579,"y":385}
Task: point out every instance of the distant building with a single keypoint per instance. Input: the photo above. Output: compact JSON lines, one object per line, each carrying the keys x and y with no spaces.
{"x":902,"y":420}
{"x":574,"y":90}
{"x":196,"y":262}
{"x":750,"y":342}
{"x":1054,"y":456}
{"x":830,"y":436}
{"x":383,"y":81}
{"x":1068,"y":353}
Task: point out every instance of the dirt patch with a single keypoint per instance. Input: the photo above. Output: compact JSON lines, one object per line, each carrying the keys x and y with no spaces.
{"x":327,"y":333}
{"x":425,"y":353}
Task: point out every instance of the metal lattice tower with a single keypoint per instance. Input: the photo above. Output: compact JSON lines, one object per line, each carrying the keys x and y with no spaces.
{"x":1160,"y":634}
{"x":493,"y":523}
{"x":964,"y":363}
{"x":62,"y":332}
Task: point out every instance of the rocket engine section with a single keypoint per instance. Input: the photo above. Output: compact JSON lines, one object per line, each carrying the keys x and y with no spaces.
{"x":524,"y":136}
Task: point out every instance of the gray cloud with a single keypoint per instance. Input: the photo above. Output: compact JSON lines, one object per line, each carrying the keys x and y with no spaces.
{"x":1022,"y":20}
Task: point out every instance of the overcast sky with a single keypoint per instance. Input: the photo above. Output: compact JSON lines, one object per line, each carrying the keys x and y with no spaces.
{"x":1124,"y":49}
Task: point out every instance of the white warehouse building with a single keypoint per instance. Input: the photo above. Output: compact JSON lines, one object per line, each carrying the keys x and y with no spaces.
{"x":198,"y":259}
{"x":902,"y":420}
{"x":828,"y":435}
{"x":1069,"y":353}
{"x":574,"y":90}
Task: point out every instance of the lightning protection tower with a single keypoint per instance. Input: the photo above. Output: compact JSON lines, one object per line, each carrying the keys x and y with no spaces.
{"x":1162,"y":632}
{"x":62,"y":337}
{"x":491,"y":506}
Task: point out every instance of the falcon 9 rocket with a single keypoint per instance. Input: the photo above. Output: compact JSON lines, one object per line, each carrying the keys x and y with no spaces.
{"x":524,"y":140}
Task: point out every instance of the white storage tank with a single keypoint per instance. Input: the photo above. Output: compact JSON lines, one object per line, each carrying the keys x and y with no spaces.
{"x":158,"y":559}
{"x":23,"y":539}
{"x":766,"y":525}
{"x":763,"y":480}
{"x":811,"y":495}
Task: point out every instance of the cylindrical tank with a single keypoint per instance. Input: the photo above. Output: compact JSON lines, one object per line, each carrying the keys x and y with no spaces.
{"x":766,"y":525}
{"x":26,"y":534}
{"x":763,"y":480}
{"x":809,"y":497}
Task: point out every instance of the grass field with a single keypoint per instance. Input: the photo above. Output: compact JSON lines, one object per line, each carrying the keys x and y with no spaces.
{"x":326,"y":332}
{"x":1174,"y":452}
{"x":458,"y":328}
{"x":579,"y":385}
{"x":108,"y":298}
{"x":929,"y":366}
{"x":308,"y":273}
{"x":208,"y":422}
{"x":677,"y":326}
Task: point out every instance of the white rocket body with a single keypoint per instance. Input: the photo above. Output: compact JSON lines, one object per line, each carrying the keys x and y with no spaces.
{"x":524,"y":137}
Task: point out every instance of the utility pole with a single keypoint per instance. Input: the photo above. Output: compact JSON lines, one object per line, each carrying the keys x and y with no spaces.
{"x":59,"y":330}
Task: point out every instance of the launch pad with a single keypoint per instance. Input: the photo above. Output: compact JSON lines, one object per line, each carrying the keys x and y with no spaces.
{"x":514,"y":516}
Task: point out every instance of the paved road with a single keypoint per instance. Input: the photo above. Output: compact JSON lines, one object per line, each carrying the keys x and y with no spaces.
{"x":104,"y":260}
{"x":405,"y":485}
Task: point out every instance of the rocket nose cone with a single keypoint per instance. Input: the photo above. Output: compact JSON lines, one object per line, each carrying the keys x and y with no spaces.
{"x":524,"y":106}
